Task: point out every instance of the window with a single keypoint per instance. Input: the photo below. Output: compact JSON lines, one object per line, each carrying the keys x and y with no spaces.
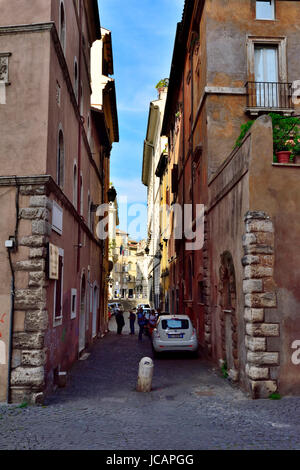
{"x":58,"y":291}
{"x":265,"y":10}
{"x":175,"y":324}
{"x":81,"y":195}
{"x":57,"y":218}
{"x":76,"y":79}
{"x":90,"y":216}
{"x":266,"y":71}
{"x":268,"y":85}
{"x":58,"y":93}
{"x":81,"y":99}
{"x":75,"y":186}
{"x":60,"y":159}
{"x":73,"y":303}
{"x":62,"y":26}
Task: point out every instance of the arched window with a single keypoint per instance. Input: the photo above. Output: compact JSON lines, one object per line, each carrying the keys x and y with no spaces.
{"x":81,"y":99}
{"x":60,"y":159}
{"x":89,"y":211}
{"x":76,"y":78}
{"x":62,"y":25}
{"x":75,"y":186}
{"x":81,"y":195}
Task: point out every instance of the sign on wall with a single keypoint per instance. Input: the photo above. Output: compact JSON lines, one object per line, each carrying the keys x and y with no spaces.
{"x":57,"y":218}
{"x":53,"y":262}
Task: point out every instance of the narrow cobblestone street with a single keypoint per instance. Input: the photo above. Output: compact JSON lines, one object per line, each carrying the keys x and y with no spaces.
{"x":191,"y":407}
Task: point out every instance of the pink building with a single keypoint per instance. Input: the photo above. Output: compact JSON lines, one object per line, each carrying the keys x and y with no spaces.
{"x":54,"y":173}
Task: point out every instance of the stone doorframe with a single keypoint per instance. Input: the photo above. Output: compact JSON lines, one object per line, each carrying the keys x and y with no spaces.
{"x":227,"y":290}
{"x":262,"y":362}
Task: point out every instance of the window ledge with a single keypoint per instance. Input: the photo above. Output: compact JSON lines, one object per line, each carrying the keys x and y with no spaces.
{"x":57,"y":321}
{"x":258,"y":110}
{"x":297,"y":165}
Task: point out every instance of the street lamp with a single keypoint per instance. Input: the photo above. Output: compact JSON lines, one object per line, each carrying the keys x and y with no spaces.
{"x":157,"y":256}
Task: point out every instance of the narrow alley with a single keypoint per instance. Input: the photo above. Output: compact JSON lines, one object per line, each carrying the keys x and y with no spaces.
{"x":190,"y":407}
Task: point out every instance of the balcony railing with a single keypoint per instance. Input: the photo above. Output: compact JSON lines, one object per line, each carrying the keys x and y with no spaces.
{"x":269,"y":95}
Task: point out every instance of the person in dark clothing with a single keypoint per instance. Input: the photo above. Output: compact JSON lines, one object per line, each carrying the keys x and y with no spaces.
{"x":141,"y":323}
{"x":120,"y":321}
{"x":132,"y":318}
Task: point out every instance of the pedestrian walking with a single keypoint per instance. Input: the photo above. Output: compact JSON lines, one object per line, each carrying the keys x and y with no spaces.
{"x":141,"y":323}
{"x":152,"y":321}
{"x":120,"y":321}
{"x":132,"y":318}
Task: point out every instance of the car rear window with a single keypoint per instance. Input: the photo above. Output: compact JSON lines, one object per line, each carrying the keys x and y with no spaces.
{"x":175,"y":324}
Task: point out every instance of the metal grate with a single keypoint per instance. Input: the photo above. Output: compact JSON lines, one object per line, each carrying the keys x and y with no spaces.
{"x":271,"y":95}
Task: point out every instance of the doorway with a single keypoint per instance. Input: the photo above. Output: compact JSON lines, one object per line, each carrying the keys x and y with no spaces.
{"x":82,"y":315}
{"x":95,"y":310}
{"x":266,"y":75}
{"x":228,"y":315}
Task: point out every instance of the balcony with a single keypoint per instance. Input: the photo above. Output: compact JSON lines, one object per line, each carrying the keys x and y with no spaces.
{"x":265,"y":97}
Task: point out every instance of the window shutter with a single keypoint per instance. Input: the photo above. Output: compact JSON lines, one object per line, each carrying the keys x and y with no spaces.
{"x":175,"y":179}
{"x":58,"y":305}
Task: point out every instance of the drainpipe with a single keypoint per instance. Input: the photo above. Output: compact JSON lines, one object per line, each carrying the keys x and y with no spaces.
{"x":79,"y":133}
{"x":12,"y":295}
{"x":183,"y":180}
{"x":192,"y":165}
{"x":102,"y":288}
{"x":11,"y":326}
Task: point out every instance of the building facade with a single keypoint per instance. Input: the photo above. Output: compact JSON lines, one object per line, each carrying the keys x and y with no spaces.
{"x":54,"y":174}
{"x":232,"y":63}
{"x":154,"y":146}
{"x":129,"y":275}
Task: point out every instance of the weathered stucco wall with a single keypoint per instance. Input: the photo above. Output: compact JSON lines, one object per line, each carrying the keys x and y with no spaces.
{"x":228,"y":26}
{"x":229,"y":201}
{"x":24,"y":144}
{"x":253,"y":215}
{"x":278,"y":187}
{"x":25,"y":12}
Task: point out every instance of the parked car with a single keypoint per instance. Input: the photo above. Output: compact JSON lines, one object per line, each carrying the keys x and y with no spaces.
{"x":114,"y":306}
{"x":143,"y":306}
{"x":174,"y":333}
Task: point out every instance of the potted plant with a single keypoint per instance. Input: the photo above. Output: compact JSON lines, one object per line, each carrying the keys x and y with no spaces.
{"x":162,"y":84}
{"x":283,"y":152}
{"x":285,"y":136}
{"x":296,"y":152}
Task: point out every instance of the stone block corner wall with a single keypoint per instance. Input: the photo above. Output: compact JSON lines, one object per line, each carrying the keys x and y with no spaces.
{"x":27,"y":381}
{"x":261,"y":330}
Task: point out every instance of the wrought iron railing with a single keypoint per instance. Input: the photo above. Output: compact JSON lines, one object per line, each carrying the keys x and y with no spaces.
{"x":271,"y":95}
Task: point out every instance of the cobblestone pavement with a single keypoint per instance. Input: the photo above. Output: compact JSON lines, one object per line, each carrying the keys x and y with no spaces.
{"x":191,"y":407}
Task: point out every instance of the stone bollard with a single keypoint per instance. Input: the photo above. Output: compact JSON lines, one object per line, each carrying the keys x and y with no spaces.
{"x":145,"y":375}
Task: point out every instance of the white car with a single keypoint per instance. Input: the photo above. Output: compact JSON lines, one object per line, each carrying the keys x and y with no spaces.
{"x":143,"y":306}
{"x":174,"y":333}
{"x":114,"y":306}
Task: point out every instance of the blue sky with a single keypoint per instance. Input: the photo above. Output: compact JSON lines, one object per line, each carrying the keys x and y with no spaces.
{"x":143,"y":34}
